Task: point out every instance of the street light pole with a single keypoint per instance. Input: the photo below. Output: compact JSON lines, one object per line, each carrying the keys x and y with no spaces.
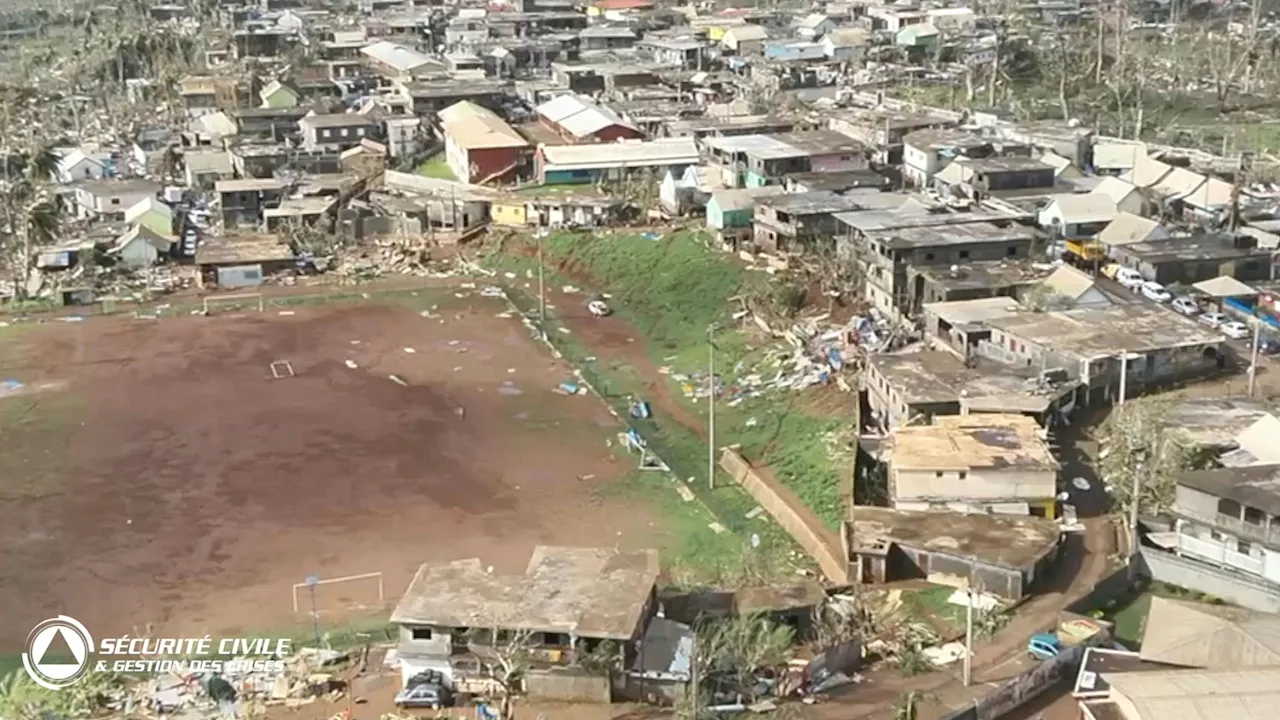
{"x":1124,"y":375}
{"x":711,"y":407}
{"x":968,"y":637}
{"x":542,"y":295}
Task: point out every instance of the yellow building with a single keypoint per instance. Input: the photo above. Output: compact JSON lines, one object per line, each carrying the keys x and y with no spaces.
{"x":504,"y":212}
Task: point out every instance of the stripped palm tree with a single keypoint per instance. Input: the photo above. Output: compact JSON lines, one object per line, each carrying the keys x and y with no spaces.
{"x":29,"y":217}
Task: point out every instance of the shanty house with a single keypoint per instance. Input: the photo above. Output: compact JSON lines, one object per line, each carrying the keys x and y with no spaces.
{"x":153,"y":213}
{"x":730,"y":211}
{"x":203,"y":168}
{"x":140,"y":247}
{"x":580,"y":120}
{"x":1126,"y":196}
{"x":1128,"y":228}
{"x":276,"y":94}
{"x":479,"y":146}
{"x":745,"y":40}
{"x":569,"y":599}
{"x":973,"y":463}
{"x":1185,"y":634}
{"x":76,"y":164}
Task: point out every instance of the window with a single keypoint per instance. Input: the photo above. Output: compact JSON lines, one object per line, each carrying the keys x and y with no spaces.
{"x":115,"y":201}
{"x":345,"y":132}
{"x":421,"y":633}
{"x":555,"y":639}
{"x":964,"y":254}
{"x":938,"y":474}
{"x":359,"y":132}
{"x":1254,"y":516}
{"x":1244,"y":548}
{"x":1229,"y":507}
{"x":964,"y":474}
{"x":928,"y":256}
{"x":1011,"y":251}
{"x":325,"y":133}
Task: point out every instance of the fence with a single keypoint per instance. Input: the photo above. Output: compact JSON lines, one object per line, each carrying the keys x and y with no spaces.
{"x":1023,"y":687}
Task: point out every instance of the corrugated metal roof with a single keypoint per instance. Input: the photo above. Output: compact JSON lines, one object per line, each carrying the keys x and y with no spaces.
{"x":1242,"y":694}
{"x":1209,"y":636}
{"x":396,"y":56}
{"x":666,"y":151}
{"x":579,"y":116}
{"x":473,"y":127}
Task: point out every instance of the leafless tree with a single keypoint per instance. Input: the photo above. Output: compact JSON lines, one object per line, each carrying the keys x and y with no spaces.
{"x":506,"y":657}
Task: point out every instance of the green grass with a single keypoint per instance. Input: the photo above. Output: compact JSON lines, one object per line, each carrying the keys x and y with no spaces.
{"x":436,"y":167}
{"x":1130,"y":614}
{"x":671,"y":289}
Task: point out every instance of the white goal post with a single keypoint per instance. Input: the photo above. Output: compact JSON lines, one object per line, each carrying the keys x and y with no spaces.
{"x":246,"y":300}
{"x":332,"y":581}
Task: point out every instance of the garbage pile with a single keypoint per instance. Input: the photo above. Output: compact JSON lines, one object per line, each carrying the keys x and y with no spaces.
{"x":384,"y":258}
{"x":244,"y":688}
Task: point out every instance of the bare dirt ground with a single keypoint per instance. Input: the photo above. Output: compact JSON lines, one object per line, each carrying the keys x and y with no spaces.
{"x":173,"y":482}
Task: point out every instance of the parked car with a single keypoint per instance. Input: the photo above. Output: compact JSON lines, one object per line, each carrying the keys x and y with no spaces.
{"x":1234,"y":329}
{"x":1043,"y":646}
{"x":1131,"y":279}
{"x":1213,"y":319}
{"x":1269,"y":347}
{"x":1186,"y":306}
{"x":427,"y":689}
{"x":1155,"y":291}
{"x":598,"y":308}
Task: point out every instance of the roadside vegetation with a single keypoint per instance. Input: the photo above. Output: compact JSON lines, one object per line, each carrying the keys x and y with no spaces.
{"x":671,"y":288}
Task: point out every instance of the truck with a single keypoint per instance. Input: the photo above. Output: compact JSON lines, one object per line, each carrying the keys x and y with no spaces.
{"x":1084,"y":252}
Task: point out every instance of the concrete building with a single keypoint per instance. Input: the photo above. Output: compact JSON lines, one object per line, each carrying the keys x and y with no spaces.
{"x":973,"y":463}
{"x":1002,"y":554}
{"x":570,"y":599}
{"x":479,"y":146}
{"x":336,"y":132}
{"x":1228,"y":523}
{"x":1090,"y":344}
{"x":1191,"y":694}
{"x":109,"y":199}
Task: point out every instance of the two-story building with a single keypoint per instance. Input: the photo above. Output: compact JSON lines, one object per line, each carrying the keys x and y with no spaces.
{"x":335,"y":132}
{"x":1226,"y":536}
{"x":886,"y":244}
{"x":568,"y":601}
{"x":109,"y":199}
{"x":242,"y":202}
{"x":790,"y":221}
{"x":759,"y":160}
{"x":986,"y":463}
{"x":926,"y":152}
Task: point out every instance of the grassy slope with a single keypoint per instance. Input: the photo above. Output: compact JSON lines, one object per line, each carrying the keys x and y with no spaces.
{"x":437,"y":167}
{"x":673,"y":288}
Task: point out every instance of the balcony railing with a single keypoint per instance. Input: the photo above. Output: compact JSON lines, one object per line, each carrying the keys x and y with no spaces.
{"x":1217,"y":553}
{"x":1234,"y":526}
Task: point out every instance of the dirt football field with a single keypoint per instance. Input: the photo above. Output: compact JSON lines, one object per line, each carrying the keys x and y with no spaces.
{"x":155,"y":472}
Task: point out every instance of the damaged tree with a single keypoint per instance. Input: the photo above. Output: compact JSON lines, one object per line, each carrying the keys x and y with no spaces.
{"x":1138,"y":445}
{"x":731,"y":651}
{"x":505,"y":657}
{"x":28,"y":215}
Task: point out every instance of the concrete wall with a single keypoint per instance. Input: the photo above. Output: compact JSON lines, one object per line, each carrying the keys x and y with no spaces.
{"x":961,"y":572}
{"x":1025,"y":686}
{"x":1235,"y":588}
{"x":987,"y":485}
{"x":800,"y":523}
{"x":440,"y":642}
{"x":568,"y":685}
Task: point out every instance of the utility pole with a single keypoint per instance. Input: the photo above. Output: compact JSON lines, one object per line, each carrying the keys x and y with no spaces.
{"x":968,"y":636}
{"x":1124,"y":375}
{"x":711,"y":407}
{"x":1253,"y":356}
{"x":542,"y":293}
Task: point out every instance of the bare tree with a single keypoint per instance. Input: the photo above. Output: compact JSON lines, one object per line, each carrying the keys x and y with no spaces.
{"x":505,"y":657}
{"x":739,"y":646}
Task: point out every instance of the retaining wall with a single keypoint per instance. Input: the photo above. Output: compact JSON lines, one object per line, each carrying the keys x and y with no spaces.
{"x":782,"y":504}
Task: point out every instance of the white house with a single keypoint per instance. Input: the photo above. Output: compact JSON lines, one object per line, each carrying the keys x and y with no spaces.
{"x":109,"y":199}
{"x":1077,"y":287}
{"x":140,"y":247}
{"x":1077,"y":215}
{"x":1127,"y":229}
{"x":75,"y":165}
{"x":814,"y":26}
{"x":1125,"y":195}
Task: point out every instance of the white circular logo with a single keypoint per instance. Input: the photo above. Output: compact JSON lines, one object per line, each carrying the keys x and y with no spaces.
{"x":57,"y":652}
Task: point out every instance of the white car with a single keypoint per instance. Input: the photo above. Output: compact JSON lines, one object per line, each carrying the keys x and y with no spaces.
{"x":1213,"y":319}
{"x":1131,"y":279}
{"x":599,"y":309}
{"x":1234,"y":329}
{"x":1155,"y":291}
{"x":1186,"y":306}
